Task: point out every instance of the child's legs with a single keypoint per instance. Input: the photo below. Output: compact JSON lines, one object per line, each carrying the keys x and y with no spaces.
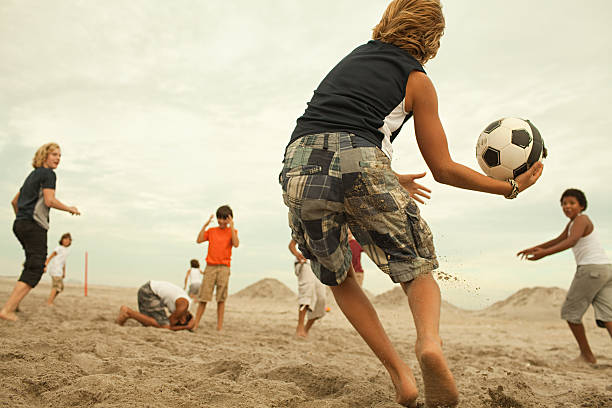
{"x":588,"y":282}
{"x":220,"y":314}
{"x":361,"y":314}
{"x":142,"y":318}
{"x":19,"y":291}
{"x":205,"y":293}
{"x":580,"y":336}
{"x":424,"y":300}
{"x":602,"y":303}
{"x":33,"y":239}
{"x":300,"y":330}
{"x":222,"y":284}
{"x":52,"y":296}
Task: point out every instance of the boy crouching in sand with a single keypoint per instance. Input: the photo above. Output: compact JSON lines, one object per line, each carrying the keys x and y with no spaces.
{"x":592,"y":282}
{"x":56,"y":266}
{"x":337,"y":172}
{"x":311,"y":293}
{"x":154,"y":297}
{"x":221,"y":240}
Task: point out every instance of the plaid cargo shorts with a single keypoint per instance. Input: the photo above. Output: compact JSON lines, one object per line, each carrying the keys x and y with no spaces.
{"x":334,"y":180}
{"x":151,"y":305}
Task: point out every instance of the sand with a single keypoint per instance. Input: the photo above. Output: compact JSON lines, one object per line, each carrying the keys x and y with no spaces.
{"x":74,"y":355}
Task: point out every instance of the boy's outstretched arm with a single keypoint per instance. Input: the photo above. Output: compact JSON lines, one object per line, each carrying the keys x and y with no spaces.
{"x":235,"y":240}
{"x":422,"y":98}
{"x":546,"y":244}
{"x":49,"y":259}
{"x":580,"y":225}
{"x":187,"y":278}
{"x":52,"y":202}
{"x":201,"y":235}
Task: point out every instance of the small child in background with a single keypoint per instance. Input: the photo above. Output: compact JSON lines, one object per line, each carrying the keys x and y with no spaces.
{"x":221,"y":240}
{"x":193,"y":279}
{"x":311,"y":293}
{"x":56,"y":266}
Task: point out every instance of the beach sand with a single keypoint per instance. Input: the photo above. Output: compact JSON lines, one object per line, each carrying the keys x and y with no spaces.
{"x":516,"y":353}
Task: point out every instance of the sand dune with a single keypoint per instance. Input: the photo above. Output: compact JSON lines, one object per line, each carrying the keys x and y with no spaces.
{"x":74,"y":355}
{"x":537,"y":303}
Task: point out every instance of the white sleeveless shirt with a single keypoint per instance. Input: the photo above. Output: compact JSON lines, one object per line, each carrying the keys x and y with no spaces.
{"x":195,"y":276}
{"x":588,"y":250}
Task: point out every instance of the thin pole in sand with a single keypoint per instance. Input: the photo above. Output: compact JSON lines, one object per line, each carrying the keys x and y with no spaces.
{"x":85,"y":273}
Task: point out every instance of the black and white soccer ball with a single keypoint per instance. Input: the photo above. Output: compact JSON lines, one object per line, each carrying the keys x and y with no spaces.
{"x":508,"y":147}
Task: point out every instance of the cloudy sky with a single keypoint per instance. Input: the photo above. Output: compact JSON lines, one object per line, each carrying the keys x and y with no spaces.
{"x":166,"y":110}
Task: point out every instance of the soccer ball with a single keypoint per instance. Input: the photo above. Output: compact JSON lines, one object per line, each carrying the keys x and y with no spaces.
{"x":508,"y":147}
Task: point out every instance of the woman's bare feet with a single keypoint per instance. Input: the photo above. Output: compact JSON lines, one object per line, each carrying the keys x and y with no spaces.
{"x":123,"y":315}
{"x":440,"y":388}
{"x":11,"y":317}
{"x":404,"y":382}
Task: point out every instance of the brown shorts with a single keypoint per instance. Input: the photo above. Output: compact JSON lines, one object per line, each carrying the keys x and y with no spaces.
{"x":57,"y":283}
{"x":214,"y":276}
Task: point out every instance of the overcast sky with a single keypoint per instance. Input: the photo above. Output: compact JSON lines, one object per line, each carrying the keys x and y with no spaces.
{"x":167,"y":110}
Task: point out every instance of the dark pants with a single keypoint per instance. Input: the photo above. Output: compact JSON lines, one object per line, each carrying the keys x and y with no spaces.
{"x":33,"y":239}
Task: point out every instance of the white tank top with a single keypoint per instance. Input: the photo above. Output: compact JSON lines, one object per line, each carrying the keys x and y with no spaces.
{"x":588,"y":250}
{"x":195,"y":276}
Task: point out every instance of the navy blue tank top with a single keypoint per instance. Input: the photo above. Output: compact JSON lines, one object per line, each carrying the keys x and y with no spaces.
{"x":364,"y":95}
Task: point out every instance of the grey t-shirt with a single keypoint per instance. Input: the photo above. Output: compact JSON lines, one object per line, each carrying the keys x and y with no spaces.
{"x":31,"y":204}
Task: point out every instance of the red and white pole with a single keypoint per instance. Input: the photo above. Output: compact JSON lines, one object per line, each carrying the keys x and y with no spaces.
{"x":85,"y":273}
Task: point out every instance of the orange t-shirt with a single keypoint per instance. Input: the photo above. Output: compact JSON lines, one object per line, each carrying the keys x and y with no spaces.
{"x":219,"y":245}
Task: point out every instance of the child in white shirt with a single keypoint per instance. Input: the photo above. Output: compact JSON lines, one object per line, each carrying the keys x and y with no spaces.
{"x":56,"y":266}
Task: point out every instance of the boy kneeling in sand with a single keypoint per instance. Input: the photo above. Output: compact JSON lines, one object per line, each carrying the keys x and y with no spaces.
{"x":154,"y":297}
{"x":311,"y":293}
{"x":592,"y":282}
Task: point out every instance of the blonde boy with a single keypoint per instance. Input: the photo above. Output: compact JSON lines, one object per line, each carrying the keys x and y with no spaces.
{"x":337,"y":172}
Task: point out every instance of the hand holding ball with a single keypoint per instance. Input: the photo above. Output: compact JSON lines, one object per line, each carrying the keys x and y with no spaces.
{"x":508,"y":147}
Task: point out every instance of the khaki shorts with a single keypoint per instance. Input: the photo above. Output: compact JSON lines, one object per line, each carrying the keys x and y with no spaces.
{"x":334,"y":180}
{"x":214,"y":276}
{"x":57,"y":283}
{"x":592,"y":284}
{"x":311,"y":292}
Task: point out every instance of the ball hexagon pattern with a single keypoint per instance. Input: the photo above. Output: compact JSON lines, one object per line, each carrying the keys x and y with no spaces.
{"x":508,"y":147}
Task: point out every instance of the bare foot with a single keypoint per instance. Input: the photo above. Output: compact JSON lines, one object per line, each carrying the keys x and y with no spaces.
{"x":440,"y":388}
{"x":404,"y":382}
{"x":585,"y":359}
{"x":123,"y":315}
{"x":11,"y":317}
{"x":301,"y":333}
{"x":50,"y":304}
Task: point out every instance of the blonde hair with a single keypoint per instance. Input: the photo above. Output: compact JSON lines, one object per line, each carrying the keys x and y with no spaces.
{"x":413,"y":25}
{"x":41,"y":154}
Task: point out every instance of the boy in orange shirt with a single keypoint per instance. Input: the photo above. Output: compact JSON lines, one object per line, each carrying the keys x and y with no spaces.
{"x":220,"y":239}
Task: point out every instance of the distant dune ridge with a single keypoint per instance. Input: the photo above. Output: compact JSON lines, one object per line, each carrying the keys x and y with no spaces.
{"x":267,"y":288}
{"x":397,"y":297}
{"x":529,"y":303}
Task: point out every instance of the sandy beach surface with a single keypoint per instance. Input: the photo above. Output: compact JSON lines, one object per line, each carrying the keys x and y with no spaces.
{"x":516,"y":353}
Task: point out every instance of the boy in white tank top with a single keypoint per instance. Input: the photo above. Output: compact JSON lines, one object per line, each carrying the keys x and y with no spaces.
{"x":592,"y":283}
